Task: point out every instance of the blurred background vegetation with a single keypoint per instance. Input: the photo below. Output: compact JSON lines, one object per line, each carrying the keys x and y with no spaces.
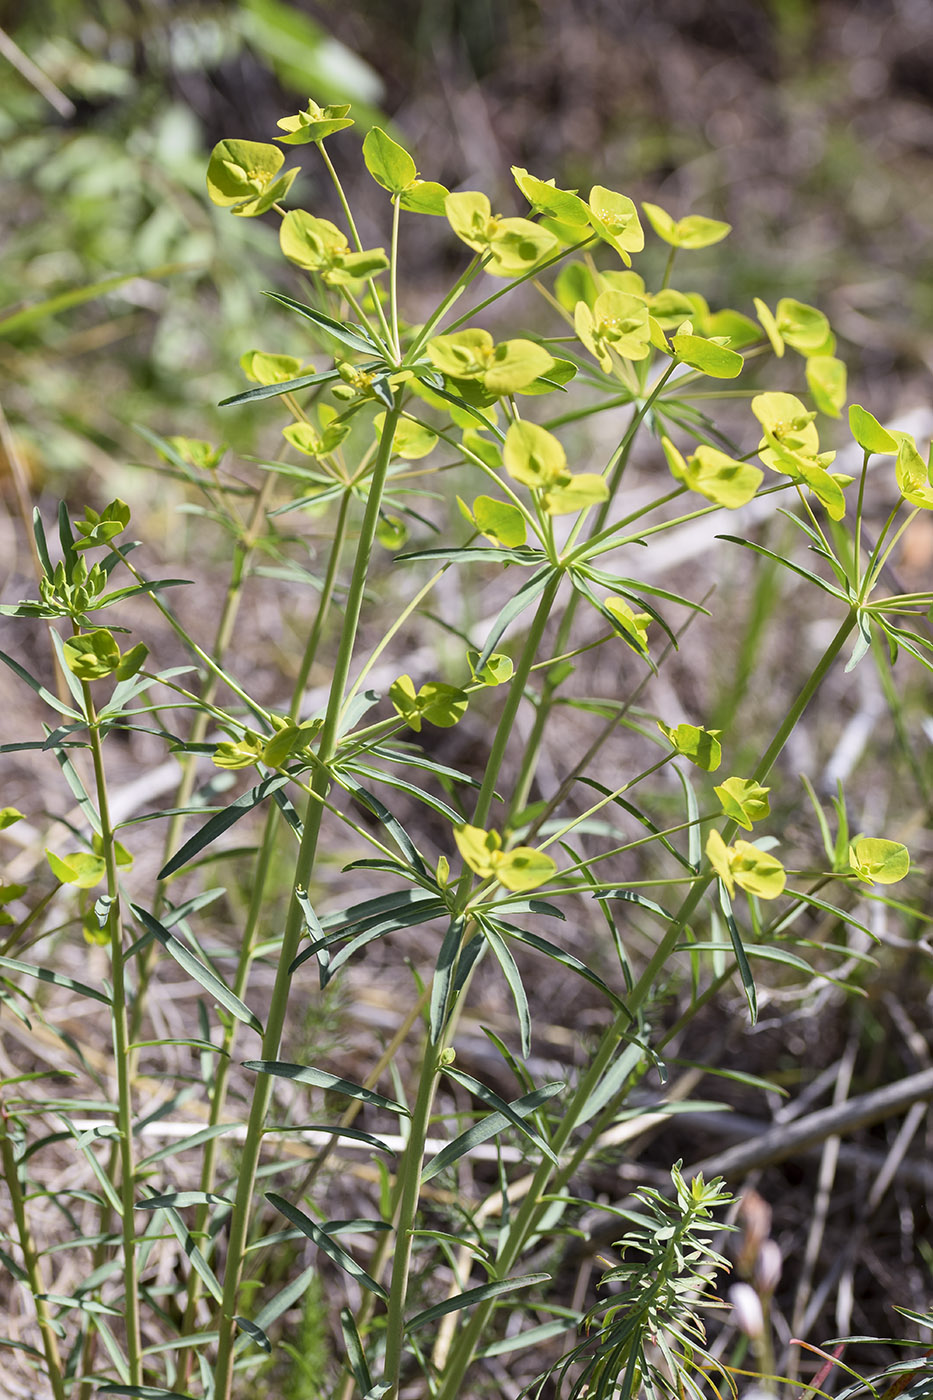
{"x":809,"y":126}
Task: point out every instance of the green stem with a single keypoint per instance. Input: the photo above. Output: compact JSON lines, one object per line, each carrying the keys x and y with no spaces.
{"x":517,"y":281}
{"x":328,"y":588}
{"x":858,"y":519}
{"x":294,"y":924}
{"x":222,"y":1072}
{"x":872,"y":568}
{"x":516,"y":693}
{"x":199,"y":729}
{"x":397,"y":625}
{"x":121,"y":1052}
{"x":873,"y":573}
{"x":526,"y":1218}
{"x":410,"y":1173}
{"x":459,"y":287}
{"x":604,"y":801}
{"x":615,"y":467}
{"x":393,"y":280}
{"x":53,"y":1362}
{"x":254,"y":914}
{"x":351,"y":224}
{"x":213,"y":666}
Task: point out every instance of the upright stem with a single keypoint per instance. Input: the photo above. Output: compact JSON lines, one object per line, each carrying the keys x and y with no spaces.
{"x":254,"y":914}
{"x":53,"y":1361}
{"x":294,"y":924}
{"x":351,"y":224}
{"x":309,"y":654}
{"x":121,"y":1051}
{"x":516,"y":693}
{"x":405,"y":1223}
{"x":615,"y":467}
{"x":199,"y":729}
{"x":393,"y":279}
{"x":526,"y":1218}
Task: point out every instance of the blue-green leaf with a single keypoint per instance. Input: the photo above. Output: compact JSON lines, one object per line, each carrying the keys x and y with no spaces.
{"x":514,"y":978}
{"x":221,"y":822}
{"x":58,"y":979}
{"x":347,"y":335}
{"x":288,"y":386}
{"x":305,"y":1074}
{"x":443,"y":977}
{"x":471,"y":1296}
{"x":207,"y":978}
{"x":494,"y":1101}
{"x":328,"y":1246}
{"x":488,"y":1127}
{"x":745,"y":972}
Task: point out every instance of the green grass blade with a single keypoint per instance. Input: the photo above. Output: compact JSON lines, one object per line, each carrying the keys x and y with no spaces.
{"x":76,"y":296}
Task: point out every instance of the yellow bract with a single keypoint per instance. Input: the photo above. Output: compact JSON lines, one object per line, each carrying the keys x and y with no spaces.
{"x":522,"y":868}
{"x":745,"y":865}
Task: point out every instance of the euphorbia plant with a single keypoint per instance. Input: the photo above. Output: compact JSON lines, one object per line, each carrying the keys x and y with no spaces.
{"x":393,"y":405}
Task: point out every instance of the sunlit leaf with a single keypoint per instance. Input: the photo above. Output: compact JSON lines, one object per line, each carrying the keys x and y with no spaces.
{"x":744,"y":800}
{"x":877,"y":861}
{"x":388,"y":163}
{"x":701,"y":746}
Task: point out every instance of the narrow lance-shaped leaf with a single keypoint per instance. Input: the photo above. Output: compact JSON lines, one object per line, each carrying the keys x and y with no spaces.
{"x":40,"y":690}
{"x":305,"y":1074}
{"x":142,"y":1392}
{"x":493,"y":1100}
{"x":514,"y":978}
{"x":58,"y":979}
{"x":345,"y":334}
{"x":198,"y":1261}
{"x":326,"y":1244}
{"x":745,"y":972}
{"x":221,"y":822}
{"x":443,"y":977}
{"x":488,"y":1127}
{"x":175,"y":1200}
{"x":513,"y":609}
{"x":356,"y":1354}
{"x":202,"y":974}
{"x":277,"y":1305}
{"x":471,"y":1296}
{"x":289,"y":386}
